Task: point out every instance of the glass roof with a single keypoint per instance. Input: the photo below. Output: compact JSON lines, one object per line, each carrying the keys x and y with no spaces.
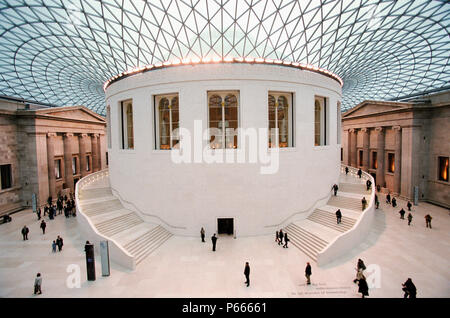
{"x":61,"y":52}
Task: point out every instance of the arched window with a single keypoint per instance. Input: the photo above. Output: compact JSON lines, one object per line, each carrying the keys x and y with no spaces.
{"x":127,"y":130}
{"x":280,"y":120}
{"x":317,"y":123}
{"x":223,"y":119}
{"x":321,"y":130}
{"x":167,"y":121}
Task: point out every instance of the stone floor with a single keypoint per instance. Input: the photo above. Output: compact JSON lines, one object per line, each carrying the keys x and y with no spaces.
{"x":185,"y":267}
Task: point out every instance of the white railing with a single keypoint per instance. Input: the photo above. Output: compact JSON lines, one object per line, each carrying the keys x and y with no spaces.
{"x":117,"y":252}
{"x":356,"y":235}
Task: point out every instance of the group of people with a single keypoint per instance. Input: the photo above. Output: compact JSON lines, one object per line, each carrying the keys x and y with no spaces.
{"x":280,"y":236}
{"x":57,"y":243}
{"x":63,"y":203}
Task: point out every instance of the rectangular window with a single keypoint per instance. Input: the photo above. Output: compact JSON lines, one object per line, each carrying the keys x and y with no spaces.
{"x":338,"y":125}
{"x":391,"y":162}
{"x":74,"y":165}
{"x":6,"y":176}
{"x":374,"y":160}
{"x":88,"y":163}
{"x":281,"y":122}
{"x":167,"y":121}
{"x":320,"y":121}
{"x":58,"y":168}
{"x":108,"y":124}
{"x":443,"y":169}
{"x":223,"y":119}
{"x":126,"y":125}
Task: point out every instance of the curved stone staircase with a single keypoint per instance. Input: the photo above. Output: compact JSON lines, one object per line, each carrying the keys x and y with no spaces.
{"x":313,"y":234}
{"x":122,"y":226}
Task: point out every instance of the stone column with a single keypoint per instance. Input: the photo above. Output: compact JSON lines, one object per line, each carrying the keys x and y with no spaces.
{"x":68,"y":152}
{"x":51,"y":165}
{"x":353,"y":153}
{"x":398,"y":159}
{"x":365,"y":163}
{"x":94,"y":147}
{"x":82,"y":140}
{"x":380,"y":155}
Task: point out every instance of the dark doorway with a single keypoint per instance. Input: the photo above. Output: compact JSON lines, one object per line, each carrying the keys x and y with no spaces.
{"x":225,"y":226}
{"x":75,"y":182}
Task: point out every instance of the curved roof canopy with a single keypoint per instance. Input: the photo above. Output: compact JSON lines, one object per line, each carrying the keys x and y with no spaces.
{"x":61,"y":52}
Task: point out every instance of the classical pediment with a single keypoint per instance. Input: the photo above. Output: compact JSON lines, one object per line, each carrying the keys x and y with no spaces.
{"x":374,"y":107}
{"x":72,"y":113}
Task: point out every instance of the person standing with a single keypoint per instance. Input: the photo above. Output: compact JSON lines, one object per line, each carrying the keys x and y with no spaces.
{"x":338,"y":216}
{"x":409,"y":288}
{"x":402,"y":214}
{"x":428,"y":220}
{"x":388,"y":198}
{"x":54,"y":247}
{"x":359,"y":173}
{"x":364,"y":203}
{"x":409,"y":205}
{"x":335,"y":189}
{"x":394,"y":202}
{"x":377,"y":202}
{"x":363,"y":287}
{"x":281,"y":235}
{"x":277,"y":237}
{"x":308,"y":273}
{"x":214,"y":241}
{"x":59,"y":242}
{"x":346,"y":170}
{"x":409,"y":218}
{"x":43,"y":226}
{"x":38,"y":212}
{"x":202,"y":234}
{"x":25,"y":232}
{"x":368,"y":184}
{"x":286,"y":240}
{"x":247,"y":273}
{"x":38,"y":284}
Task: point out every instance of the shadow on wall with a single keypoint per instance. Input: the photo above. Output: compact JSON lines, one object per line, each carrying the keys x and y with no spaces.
{"x":379,"y":226}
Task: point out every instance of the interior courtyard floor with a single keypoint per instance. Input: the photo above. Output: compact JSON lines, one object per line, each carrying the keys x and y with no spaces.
{"x":186,"y":267}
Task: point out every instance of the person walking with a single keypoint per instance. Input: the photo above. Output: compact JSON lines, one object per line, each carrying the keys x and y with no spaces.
{"x":360,"y":268}
{"x":364,"y":203}
{"x":335,"y":189}
{"x":38,"y":212}
{"x":281,"y":235}
{"x":368,"y":184}
{"x":214,"y":241}
{"x":338,"y":216}
{"x":277,"y":236}
{"x":388,"y":198}
{"x":363,"y":288}
{"x":428,"y":220}
{"x":346,"y":170}
{"x":286,"y":240}
{"x":25,"y":232}
{"x":38,"y":284}
{"x":402,"y":214}
{"x":409,"y":288}
{"x":43,"y":226}
{"x":377,"y":202}
{"x":394,"y":202}
{"x":54,"y":247}
{"x":59,"y":242}
{"x":247,"y":274}
{"x":410,"y":217}
{"x":409,"y":205}
{"x":202,"y":234}
{"x":359,"y":173}
{"x":308,"y":273}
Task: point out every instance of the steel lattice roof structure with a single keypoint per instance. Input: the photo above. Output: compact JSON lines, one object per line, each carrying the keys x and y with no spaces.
{"x":61,"y":52}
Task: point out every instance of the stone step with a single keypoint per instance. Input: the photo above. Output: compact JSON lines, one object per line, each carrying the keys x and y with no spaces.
{"x":354,"y":188}
{"x":92,"y":193}
{"x":345,"y":203}
{"x":101,"y":207}
{"x":305,"y":241}
{"x":118,"y":224}
{"x":329,"y":220}
{"x":136,"y":243}
{"x":151,"y":245}
{"x":100,"y":218}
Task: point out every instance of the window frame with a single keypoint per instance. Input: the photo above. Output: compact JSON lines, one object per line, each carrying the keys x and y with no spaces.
{"x":10,"y":174}
{"x":124,"y":124}
{"x":289,"y":96}
{"x":324,"y":120}
{"x":157,"y":98}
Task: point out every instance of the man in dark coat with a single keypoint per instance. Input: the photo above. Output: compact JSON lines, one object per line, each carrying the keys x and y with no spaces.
{"x":59,"y":242}
{"x":59,"y":205}
{"x":308,"y":273}
{"x":286,"y":240}
{"x":43,"y":226}
{"x":409,"y":205}
{"x":368,"y":184}
{"x":402,"y":214}
{"x":428,"y":220}
{"x":359,"y":173}
{"x":247,"y":273}
{"x":25,"y":232}
{"x":409,"y":218}
{"x":202,"y":234}
{"x":335,"y":189}
{"x":281,"y":235}
{"x":338,"y":216}
{"x":38,"y":212}
{"x":409,"y":288}
{"x":394,"y":202}
{"x":377,"y":202}
{"x":388,"y":198}
{"x":346,"y":170}
{"x":214,"y":241}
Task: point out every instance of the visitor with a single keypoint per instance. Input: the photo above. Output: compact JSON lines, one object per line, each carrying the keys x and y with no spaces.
{"x":338,"y":216}
{"x":286,"y":240}
{"x":394,"y":202}
{"x":388,"y":198}
{"x":25,"y":232}
{"x":346,"y":170}
{"x":361,"y":265}
{"x":38,"y":212}
{"x":281,"y":235}
{"x":364,"y":203}
{"x":363,"y":287}
{"x":360,"y":268}
{"x":402,"y":214}
{"x":202,"y":234}
{"x":54,"y":247}
{"x":214,"y":241}
{"x":335,"y":189}
{"x":377,"y":202}
{"x":409,"y":218}
{"x":277,"y":239}
{"x":46,"y":211}
{"x":37,"y":284}
{"x":378,"y":188}
{"x":247,"y":274}
{"x":409,"y":288}
{"x":368,"y":184}
{"x":59,"y":242}
{"x":308,"y":273}
{"x":43,"y":226}
{"x":59,"y":205}
{"x":409,"y":205}
{"x":359,"y":173}
{"x":428,"y":220}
